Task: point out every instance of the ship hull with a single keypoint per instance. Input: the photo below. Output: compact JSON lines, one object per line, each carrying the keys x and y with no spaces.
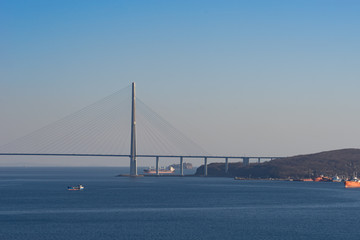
{"x":306,"y":180}
{"x":160,"y":172}
{"x":352,"y":184}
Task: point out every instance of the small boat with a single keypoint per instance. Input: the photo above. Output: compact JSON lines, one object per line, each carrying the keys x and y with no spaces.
{"x":352,"y":183}
{"x":239,"y":178}
{"x":76,"y":188}
{"x":336,"y":179}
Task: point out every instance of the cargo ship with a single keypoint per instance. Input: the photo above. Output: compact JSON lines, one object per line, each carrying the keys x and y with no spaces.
{"x":185,"y":166}
{"x":76,"y":188}
{"x":322,"y":179}
{"x":161,"y":170}
{"x":352,"y":183}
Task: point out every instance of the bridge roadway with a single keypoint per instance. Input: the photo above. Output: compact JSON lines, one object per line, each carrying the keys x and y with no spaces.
{"x":245,"y":160}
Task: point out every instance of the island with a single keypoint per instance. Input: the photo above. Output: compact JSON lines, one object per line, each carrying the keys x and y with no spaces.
{"x":343,"y":162}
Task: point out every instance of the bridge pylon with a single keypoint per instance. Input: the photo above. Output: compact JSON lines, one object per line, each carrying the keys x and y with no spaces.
{"x":133,"y":163}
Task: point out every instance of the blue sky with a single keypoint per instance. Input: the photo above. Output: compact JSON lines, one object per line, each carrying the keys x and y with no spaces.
{"x":239,"y":77}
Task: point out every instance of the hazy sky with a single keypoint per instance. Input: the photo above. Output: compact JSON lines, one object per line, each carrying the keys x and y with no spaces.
{"x":239,"y":77}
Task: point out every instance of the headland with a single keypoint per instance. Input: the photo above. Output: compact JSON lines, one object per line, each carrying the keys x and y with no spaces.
{"x":343,"y":162}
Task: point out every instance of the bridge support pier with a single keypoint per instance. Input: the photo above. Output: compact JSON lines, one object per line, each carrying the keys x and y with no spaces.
{"x":246,"y":161}
{"x":226,"y":165}
{"x":157,"y":165}
{"x":131,"y":166}
{"x":181,"y":166}
{"x":205,"y":167}
{"x":259,"y":160}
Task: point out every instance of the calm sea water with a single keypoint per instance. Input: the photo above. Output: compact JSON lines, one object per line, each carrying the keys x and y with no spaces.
{"x":34,"y":204}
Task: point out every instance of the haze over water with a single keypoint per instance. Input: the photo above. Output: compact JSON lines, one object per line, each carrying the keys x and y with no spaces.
{"x":35,"y":204}
{"x":262,"y":77}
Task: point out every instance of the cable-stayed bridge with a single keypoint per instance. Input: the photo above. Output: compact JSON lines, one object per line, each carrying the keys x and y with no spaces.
{"x":120,"y":125}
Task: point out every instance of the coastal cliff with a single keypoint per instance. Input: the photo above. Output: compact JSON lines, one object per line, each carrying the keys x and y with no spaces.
{"x":344,"y":162}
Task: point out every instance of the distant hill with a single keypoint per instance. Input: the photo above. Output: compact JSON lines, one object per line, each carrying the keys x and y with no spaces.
{"x":342,"y":162}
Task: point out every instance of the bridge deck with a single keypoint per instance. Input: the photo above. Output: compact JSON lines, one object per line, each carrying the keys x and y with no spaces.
{"x":140,"y":155}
